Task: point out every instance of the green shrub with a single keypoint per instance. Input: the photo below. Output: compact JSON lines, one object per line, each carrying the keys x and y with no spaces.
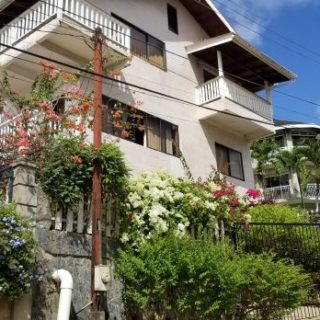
{"x":66,"y":172}
{"x":17,"y":253}
{"x":195,"y":279}
{"x":277,"y":213}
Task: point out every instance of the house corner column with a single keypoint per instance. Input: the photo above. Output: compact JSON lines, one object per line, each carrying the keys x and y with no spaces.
{"x":220,"y":64}
{"x":24,"y":188}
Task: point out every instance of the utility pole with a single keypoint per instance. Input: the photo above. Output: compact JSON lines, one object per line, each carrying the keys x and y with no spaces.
{"x":96,"y":258}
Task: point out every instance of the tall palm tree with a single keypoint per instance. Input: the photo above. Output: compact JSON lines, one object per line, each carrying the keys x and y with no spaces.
{"x":263,"y":151}
{"x":293,"y":161}
{"x":311,"y":152}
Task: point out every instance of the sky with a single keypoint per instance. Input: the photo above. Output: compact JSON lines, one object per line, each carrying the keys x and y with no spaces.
{"x":287,"y":31}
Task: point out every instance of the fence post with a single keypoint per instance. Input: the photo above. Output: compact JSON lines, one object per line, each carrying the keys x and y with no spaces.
{"x":24,"y":188}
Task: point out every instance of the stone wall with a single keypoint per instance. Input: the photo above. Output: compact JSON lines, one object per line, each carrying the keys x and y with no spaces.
{"x":60,"y":250}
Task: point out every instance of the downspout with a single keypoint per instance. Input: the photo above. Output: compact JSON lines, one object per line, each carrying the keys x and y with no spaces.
{"x":66,"y":286}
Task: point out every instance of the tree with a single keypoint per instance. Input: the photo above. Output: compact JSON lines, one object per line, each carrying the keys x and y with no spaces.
{"x":292,"y":161}
{"x":311,"y":153}
{"x":264,"y":151}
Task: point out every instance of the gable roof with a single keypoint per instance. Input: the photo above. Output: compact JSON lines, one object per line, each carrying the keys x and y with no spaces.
{"x":208,"y":16}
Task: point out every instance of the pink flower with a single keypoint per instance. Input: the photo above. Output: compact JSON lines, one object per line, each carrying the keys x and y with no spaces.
{"x":235,"y":202}
{"x":253,"y":193}
{"x":218,"y":194}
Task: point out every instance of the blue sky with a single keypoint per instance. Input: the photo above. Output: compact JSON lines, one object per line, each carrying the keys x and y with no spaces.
{"x":297,"y":21}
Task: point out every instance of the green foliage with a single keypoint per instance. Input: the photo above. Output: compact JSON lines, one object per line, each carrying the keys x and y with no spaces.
{"x":277,"y":213}
{"x":196,"y":279}
{"x":66,"y":172}
{"x":17,"y":253}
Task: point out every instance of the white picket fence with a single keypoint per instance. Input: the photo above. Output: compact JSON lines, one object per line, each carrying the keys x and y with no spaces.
{"x":77,"y":219}
{"x":80,"y":11}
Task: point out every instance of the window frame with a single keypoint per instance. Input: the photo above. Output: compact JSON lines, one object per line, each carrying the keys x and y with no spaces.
{"x":110,"y":130}
{"x":218,"y":145}
{"x":175,"y":149}
{"x":173,"y":10}
{"x":147,"y":43}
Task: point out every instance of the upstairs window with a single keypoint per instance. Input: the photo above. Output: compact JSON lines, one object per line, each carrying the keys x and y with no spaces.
{"x":172,"y":18}
{"x":162,"y":136}
{"x":229,"y":162}
{"x":145,"y":46}
{"x":139,"y":127}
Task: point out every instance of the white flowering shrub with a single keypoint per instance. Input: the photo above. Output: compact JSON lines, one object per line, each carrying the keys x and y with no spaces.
{"x":158,"y":203}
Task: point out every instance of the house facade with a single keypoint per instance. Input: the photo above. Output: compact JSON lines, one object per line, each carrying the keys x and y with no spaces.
{"x":285,"y":188}
{"x":200,"y":89}
{"x":210,"y":80}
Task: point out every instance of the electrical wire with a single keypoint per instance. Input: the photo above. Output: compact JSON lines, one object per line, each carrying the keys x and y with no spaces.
{"x":169,"y":98}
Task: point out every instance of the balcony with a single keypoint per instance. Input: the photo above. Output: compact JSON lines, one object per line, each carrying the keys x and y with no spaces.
{"x":283,"y":193}
{"x":78,"y":10}
{"x":223,"y":87}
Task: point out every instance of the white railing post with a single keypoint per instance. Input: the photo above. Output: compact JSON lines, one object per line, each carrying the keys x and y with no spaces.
{"x":69,"y":223}
{"x":80,"y":217}
{"x":58,"y":220}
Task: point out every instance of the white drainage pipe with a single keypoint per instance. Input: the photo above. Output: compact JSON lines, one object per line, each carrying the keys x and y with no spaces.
{"x":66,"y":286}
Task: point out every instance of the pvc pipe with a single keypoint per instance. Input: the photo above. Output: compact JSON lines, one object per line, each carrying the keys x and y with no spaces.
{"x":66,"y":286}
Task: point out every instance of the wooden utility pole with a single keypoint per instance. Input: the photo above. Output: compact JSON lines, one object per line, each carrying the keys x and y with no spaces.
{"x":96,"y":258}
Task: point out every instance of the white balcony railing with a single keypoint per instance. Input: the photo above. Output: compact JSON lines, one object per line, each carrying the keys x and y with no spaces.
{"x":277,"y":193}
{"x":283,"y":192}
{"x":80,"y":11}
{"x":222,"y":87}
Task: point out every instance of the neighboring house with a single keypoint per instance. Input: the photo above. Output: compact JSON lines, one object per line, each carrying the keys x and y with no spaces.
{"x":285,"y":187}
{"x":184,"y":49}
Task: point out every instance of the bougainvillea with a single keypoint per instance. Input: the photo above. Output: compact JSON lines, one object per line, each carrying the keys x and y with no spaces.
{"x":17,"y":253}
{"x":158,"y":203}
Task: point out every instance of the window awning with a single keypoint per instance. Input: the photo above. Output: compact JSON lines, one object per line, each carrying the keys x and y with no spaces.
{"x":241,"y":61}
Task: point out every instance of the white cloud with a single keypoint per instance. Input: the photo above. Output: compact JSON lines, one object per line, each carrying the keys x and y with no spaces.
{"x":251,"y":17}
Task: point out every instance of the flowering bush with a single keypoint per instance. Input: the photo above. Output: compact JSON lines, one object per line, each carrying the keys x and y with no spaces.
{"x":158,"y":203}
{"x":17,"y":253}
{"x":66,"y":172}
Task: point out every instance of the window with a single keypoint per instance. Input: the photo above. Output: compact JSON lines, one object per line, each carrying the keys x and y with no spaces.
{"x":229,"y":162}
{"x":277,"y":181}
{"x":279,"y":140}
{"x":139,"y":127}
{"x":162,"y":136}
{"x":172,"y":18}
{"x":145,"y":46}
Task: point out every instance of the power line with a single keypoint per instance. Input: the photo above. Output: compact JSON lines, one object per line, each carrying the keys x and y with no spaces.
{"x":132,"y":85}
{"x":89,"y":78}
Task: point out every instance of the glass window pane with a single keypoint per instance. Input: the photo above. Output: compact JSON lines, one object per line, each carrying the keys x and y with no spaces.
{"x":156,"y":52}
{"x":222,"y":159}
{"x":166,"y":137}
{"x":235,"y":164}
{"x":139,"y":43}
{"x":153,"y":133}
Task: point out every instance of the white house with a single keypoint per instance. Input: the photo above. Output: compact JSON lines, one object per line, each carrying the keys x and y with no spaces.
{"x":285,"y":187}
{"x":183,"y":49}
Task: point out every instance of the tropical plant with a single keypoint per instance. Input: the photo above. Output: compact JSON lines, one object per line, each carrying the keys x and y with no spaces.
{"x":293,"y":161}
{"x":180,"y":278}
{"x":264,"y":151}
{"x":17,"y":253}
{"x":158,"y":203}
{"x":311,"y":153}
{"x":66,"y":171}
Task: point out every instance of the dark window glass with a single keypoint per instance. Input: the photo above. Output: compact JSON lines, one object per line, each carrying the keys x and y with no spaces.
{"x":207,"y":75}
{"x":119,"y":120}
{"x":279,"y":141}
{"x":145,"y":46}
{"x":229,"y":162}
{"x":162,"y":136}
{"x":277,"y":181}
{"x":172,"y":19}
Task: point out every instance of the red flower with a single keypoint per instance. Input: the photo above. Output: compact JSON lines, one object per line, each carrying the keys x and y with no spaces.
{"x":253,"y":193}
{"x":235,"y":202}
